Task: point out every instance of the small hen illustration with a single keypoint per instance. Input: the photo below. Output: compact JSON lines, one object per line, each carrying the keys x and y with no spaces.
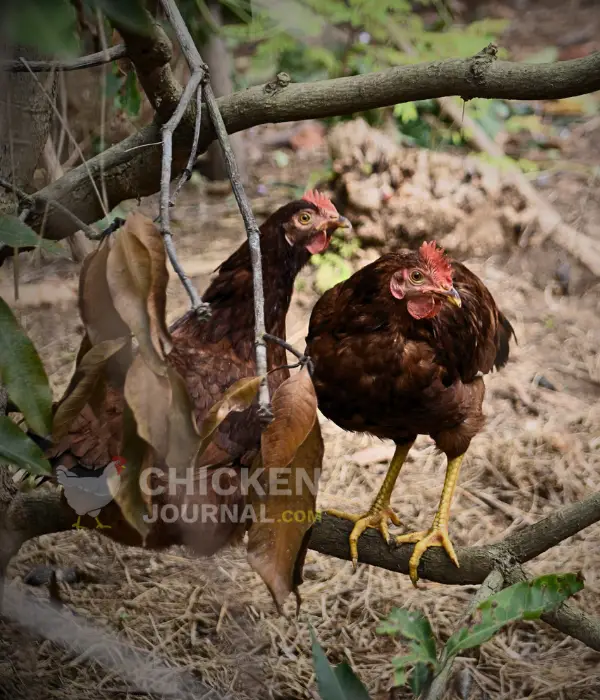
{"x":87,"y":495}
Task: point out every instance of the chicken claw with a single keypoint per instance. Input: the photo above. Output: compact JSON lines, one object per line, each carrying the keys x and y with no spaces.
{"x":100,"y":526}
{"x":77,"y":524}
{"x":376,"y":518}
{"x":436,"y":536}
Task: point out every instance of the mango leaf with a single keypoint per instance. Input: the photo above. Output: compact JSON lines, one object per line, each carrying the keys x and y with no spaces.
{"x":127,"y":492}
{"x":294,"y":407}
{"x":238,"y":397}
{"x":18,"y":449}
{"x":98,"y":314}
{"x":15,"y":233}
{"x":335,"y":682}
{"x":23,"y":373}
{"x":526,"y":600}
{"x":276,"y":541}
{"x":137,"y":278}
{"x":87,"y":376}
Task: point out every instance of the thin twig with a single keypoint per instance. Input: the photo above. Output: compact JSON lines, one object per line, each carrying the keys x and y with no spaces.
{"x":94,"y":59}
{"x":198,"y":306}
{"x":494,"y":582}
{"x":39,"y":199}
{"x":302,"y":359}
{"x":68,"y":131}
{"x":187,"y":173}
{"x":197,"y":65}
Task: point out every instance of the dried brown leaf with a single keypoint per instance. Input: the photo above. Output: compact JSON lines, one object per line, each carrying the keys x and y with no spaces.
{"x":134,"y":287}
{"x":238,"y":397}
{"x":183,"y":434}
{"x":99,"y":315}
{"x":149,"y":396}
{"x":127,"y":491}
{"x":276,"y":549}
{"x":88,"y":374}
{"x":294,"y":413}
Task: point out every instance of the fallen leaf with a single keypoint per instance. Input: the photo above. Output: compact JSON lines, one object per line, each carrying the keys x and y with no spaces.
{"x":88,"y":374}
{"x":276,"y":549}
{"x":23,"y":374}
{"x":238,"y":397}
{"x":294,"y":408}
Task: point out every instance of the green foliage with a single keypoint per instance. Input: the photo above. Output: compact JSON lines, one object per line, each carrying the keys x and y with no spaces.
{"x":51,"y":25}
{"x":332,"y":266}
{"x":23,"y":373}
{"x":24,"y":377}
{"x":16,"y":448}
{"x":526,"y":600}
{"x":15,"y":233}
{"x":335,"y":682}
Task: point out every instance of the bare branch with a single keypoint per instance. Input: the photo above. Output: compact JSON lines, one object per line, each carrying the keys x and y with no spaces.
{"x":196,"y":66}
{"x":91,"y":61}
{"x":132,"y":167}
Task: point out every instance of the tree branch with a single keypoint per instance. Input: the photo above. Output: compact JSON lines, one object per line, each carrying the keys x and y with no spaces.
{"x":132,"y":167}
{"x":91,"y":61}
{"x":330,"y":536}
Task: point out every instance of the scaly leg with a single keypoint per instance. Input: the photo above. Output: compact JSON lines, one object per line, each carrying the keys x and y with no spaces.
{"x":380,"y":511}
{"x":77,"y":524}
{"x":437,"y":535}
{"x":100,"y":526}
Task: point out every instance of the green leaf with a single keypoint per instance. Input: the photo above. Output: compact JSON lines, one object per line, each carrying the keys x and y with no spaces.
{"x":527,"y":600}
{"x":23,"y":373}
{"x":335,"y":682}
{"x":131,"y":14}
{"x":412,"y":625}
{"x":18,"y":449}
{"x":46,"y":25}
{"x":15,"y":233}
{"x":131,"y":100}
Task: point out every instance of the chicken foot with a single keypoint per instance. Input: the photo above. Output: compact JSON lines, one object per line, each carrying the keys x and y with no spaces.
{"x":380,"y":511}
{"x":437,"y":535}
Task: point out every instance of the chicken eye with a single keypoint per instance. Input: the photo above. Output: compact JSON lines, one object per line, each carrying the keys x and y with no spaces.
{"x":305,"y":217}
{"x":417,"y":277}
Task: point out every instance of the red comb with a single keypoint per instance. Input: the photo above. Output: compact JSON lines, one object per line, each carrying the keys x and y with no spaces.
{"x":319,"y":200}
{"x":437,"y":262}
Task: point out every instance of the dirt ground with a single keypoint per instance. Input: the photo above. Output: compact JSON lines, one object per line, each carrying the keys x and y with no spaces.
{"x":538,"y":452}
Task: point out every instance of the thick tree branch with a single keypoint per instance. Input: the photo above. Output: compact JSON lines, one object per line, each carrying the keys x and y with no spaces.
{"x":330,"y":536}
{"x":91,"y":61}
{"x":132,"y":167}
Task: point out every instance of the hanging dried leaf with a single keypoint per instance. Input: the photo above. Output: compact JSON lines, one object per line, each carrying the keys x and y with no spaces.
{"x":238,"y":397}
{"x":183,"y":434}
{"x":126,"y":491}
{"x":99,"y":315}
{"x":149,"y":397}
{"x":137,"y":279}
{"x":149,"y":235}
{"x":89,"y":372}
{"x":277,"y":540}
{"x":294,"y":413}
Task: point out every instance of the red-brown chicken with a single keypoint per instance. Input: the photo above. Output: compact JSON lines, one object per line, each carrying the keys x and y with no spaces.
{"x":210,"y":356}
{"x":398,"y":351}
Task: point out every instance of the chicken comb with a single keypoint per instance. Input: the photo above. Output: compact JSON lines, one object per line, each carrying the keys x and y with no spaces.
{"x":320,"y":200}
{"x":437,"y":262}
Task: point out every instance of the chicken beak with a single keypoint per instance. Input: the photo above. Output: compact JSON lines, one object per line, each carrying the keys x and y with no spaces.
{"x":342,"y":223}
{"x":453,"y":297}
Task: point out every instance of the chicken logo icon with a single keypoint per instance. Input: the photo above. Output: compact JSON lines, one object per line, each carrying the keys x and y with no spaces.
{"x":87,"y":491}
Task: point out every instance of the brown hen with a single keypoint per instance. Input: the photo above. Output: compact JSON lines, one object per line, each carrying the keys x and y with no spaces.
{"x":210,"y":356}
{"x":398,"y":351}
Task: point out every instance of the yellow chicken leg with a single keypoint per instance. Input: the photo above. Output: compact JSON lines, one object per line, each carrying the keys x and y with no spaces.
{"x":100,"y":526}
{"x":77,"y":524}
{"x":437,"y":535}
{"x":380,"y":511}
